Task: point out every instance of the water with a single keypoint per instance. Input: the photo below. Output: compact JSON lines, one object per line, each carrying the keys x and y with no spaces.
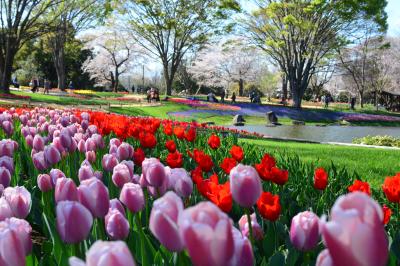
{"x":321,"y":134}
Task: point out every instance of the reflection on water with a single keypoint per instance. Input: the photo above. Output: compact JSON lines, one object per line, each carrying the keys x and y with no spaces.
{"x":321,"y":134}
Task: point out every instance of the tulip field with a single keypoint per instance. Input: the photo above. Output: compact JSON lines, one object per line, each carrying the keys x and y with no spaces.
{"x":90,"y":188}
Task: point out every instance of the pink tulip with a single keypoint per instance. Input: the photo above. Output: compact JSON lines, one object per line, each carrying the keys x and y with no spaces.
{"x":304,"y":232}
{"x":132,"y":197}
{"x":81,"y":146}
{"x":180,"y":180}
{"x":5,"y":209}
{"x":56,"y":174}
{"x":85,"y":116}
{"x":130,"y":166}
{"x":125,"y":151}
{"x":92,"y":129}
{"x":39,"y":161}
{"x":115,"y":142}
{"x":15,"y":241}
{"x":85,"y":172}
{"x":44,"y":183}
{"x":243,"y":254}
{"x":57,"y":144}
{"x":8,"y":163}
{"x":72,"y":148}
{"x":93,"y":194}
{"x":90,"y":156}
{"x":74,"y":221}
{"x":38,"y":143}
{"x":108,"y":162}
{"x":64,"y":121}
{"x":102,"y":253}
{"x":23,"y":119}
{"x":90,"y":145}
{"x":98,"y":139}
{"x":51,"y":155}
{"x":7,"y":147}
{"x":164,"y":221}
{"x":29,"y":141}
{"x":5,"y":176}
{"x":84,"y":124}
{"x":113,"y":150}
{"x":115,"y":204}
{"x":324,"y":259}
{"x":65,"y":189}
{"x":65,"y":138}
{"x":256,"y":228}
{"x":121,"y":175}
{"x":153,"y":171}
{"x":19,"y":199}
{"x":206,"y":232}
{"x":355,"y":235}
{"x":8,"y":128}
{"x":245,"y":185}
{"x":117,"y":226}
{"x":98,"y":175}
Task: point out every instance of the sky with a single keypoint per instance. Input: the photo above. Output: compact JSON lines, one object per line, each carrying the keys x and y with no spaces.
{"x":393,"y":11}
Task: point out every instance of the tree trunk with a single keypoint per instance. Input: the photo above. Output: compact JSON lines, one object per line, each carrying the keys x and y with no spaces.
{"x":362,"y":99}
{"x":112,"y":80}
{"x":241,"y":87}
{"x":284,"y":87}
{"x":7,"y":69}
{"x":168,"y":83}
{"x":59,"y":64}
{"x":116,"y":82}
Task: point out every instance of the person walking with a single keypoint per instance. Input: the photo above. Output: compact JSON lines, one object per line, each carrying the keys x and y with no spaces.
{"x":223,"y":96}
{"x":34,"y":85}
{"x":233,"y":98}
{"x":47,"y":86}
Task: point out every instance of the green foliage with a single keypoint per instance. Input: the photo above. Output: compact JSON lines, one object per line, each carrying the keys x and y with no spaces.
{"x":378,"y":141}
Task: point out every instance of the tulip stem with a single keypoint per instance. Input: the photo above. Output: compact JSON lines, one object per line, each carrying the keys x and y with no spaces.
{"x":247,"y":211}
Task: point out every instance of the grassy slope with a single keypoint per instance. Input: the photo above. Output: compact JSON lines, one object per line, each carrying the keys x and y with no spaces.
{"x":370,"y":164}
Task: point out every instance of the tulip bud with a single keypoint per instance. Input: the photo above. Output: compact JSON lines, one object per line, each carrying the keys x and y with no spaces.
{"x":121,"y":175}
{"x":93,"y":194}
{"x":125,"y":151}
{"x":74,"y":221}
{"x":117,"y":226}
{"x":84,"y":124}
{"x":108,"y":162}
{"x":90,"y":145}
{"x":65,"y":138}
{"x":5,"y":209}
{"x":65,"y":190}
{"x":7,"y":147}
{"x":5,"y":176}
{"x":44,"y":183}
{"x":39,"y":161}
{"x":51,"y":155}
{"x":90,"y":156}
{"x":8,"y":163}
{"x":132,"y":197}
{"x":243,"y":255}
{"x":115,"y":253}
{"x":164,"y":221}
{"x":130,"y":166}
{"x":304,"y":232}
{"x":81,"y":146}
{"x":153,"y":171}
{"x":245,"y":185}
{"x":85,"y":172}
{"x":38,"y":143}
{"x":19,"y":199}
{"x":115,"y":204}
{"x":56,"y":174}
{"x":324,"y":259}
{"x":256,"y":228}
{"x":115,"y":142}
{"x":181,"y":182}
{"x":8,"y":128}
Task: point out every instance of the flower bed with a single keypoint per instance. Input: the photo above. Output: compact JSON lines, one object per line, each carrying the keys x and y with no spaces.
{"x":14,"y":96}
{"x":108,"y":188}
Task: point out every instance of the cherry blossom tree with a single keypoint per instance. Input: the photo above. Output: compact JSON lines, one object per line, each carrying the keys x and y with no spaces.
{"x":113,"y":55}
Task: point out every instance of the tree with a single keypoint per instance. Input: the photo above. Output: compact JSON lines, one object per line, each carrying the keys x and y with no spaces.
{"x":299,"y":34}
{"x":70,"y":17}
{"x":170,"y":29}
{"x":228,"y":61}
{"x":21,"y":21}
{"x":357,"y":60}
{"x":113,"y":53}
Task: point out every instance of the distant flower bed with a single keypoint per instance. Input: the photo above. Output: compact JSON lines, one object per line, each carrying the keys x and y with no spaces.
{"x":388,"y":141}
{"x":14,"y":96}
{"x":370,"y":118}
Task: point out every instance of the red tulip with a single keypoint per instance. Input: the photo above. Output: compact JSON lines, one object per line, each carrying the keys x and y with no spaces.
{"x":237,"y":153}
{"x":320,"y":178}
{"x":214,"y":142}
{"x":391,"y":188}
{"x":360,"y":186}
{"x":269,"y":207}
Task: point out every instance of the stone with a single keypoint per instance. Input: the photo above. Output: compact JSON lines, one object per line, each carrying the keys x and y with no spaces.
{"x":298,"y":123}
{"x":238,"y":120}
{"x":272,"y":119}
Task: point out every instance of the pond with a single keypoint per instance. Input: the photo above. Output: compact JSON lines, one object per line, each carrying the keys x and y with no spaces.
{"x":321,"y":133}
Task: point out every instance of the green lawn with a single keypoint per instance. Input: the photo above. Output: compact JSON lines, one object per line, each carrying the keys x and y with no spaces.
{"x":160,"y":111}
{"x":369,"y":163}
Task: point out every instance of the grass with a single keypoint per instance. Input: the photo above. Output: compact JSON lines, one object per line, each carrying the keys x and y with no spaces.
{"x":368,"y":163}
{"x":160,"y":111}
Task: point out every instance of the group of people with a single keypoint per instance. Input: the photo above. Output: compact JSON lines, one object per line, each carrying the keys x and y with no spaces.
{"x":35,"y":84}
{"x":153,"y":95}
{"x":211,"y":97}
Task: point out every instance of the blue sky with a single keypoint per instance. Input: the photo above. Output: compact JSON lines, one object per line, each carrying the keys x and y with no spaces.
{"x":393,"y":10}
